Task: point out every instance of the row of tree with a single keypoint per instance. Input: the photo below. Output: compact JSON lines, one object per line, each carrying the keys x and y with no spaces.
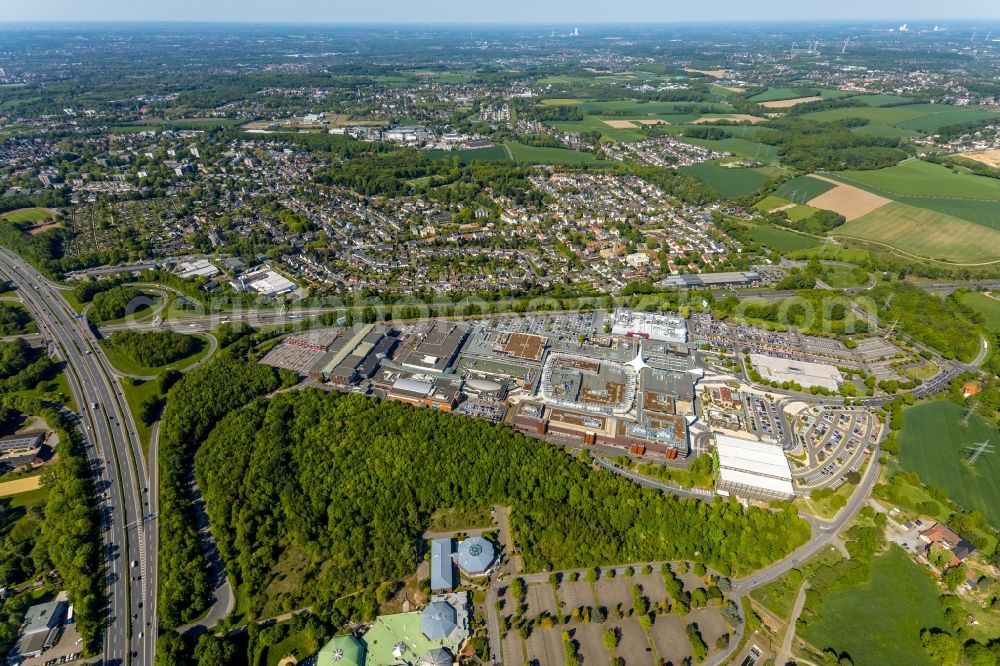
{"x":195,"y":404}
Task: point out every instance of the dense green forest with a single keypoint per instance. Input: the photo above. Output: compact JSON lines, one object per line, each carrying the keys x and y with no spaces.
{"x":23,"y":366}
{"x":810,"y":146}
{"x":194,"y":405}
{"x":115,"y":303}
{"x":303,"y":478}
{"x":15,"y":320}
{"x":156,"y":348}
{"x":937,"y":322}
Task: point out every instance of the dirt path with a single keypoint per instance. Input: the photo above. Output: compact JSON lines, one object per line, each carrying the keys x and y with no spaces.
{"x":24,"y":485}
{"x":786,"y":644}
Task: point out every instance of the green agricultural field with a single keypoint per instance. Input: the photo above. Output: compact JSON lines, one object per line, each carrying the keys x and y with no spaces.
{"x":883,"y":100}
{"x":918,"y":178}
{"x":933,"y":122}
{"x":925,"y":233}
{"x":884,"y":115}
{"x":27,"y":215}
{"x":728,"y":183}
{"x":494,"y":154}
{"x":741,"y":147}
{"x":934,"y":443}
{"x":879,"y":622}
{"x":537,"y":155}
{"x":592,"y":123}
{"x":965,"y":196}
{"x":885,"y":131}
{"x":803,"y":189}
{"x":795,"y":212}
{"x":798,"y":213}
{"x":986,"y":305}
{"x":918,"y":117}
{"x":769,"y":203}
{"x":640,"y":108}
{"x":778,"y":94}
{"x":781,"y":240}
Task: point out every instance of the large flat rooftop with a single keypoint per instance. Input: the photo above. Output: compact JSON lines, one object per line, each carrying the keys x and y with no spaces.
{"x":804,"y":373}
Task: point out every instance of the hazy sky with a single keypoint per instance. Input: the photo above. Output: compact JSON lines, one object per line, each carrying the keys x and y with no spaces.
{"x":521,"y":11}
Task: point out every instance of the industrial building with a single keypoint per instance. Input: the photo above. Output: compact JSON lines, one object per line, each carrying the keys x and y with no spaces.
{"x":41,"y":628}
{"x":442,"y":394}
{"x":362,"y":358}
{"x":265,"y":282}
{"x":436,"y":349}
{"x":752,"y":470}
{"x":196,"y":268}
{"x":707,"y":280}
{"x":803,"y":373}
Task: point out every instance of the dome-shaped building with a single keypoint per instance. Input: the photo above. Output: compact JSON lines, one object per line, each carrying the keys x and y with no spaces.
{"x":475,"y":556}
{"x":436,"y":657}
{"x":438,"y":620}
{"x":343,"y":650}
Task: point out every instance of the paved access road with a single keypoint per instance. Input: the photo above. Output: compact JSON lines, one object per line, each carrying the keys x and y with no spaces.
{"x":125,"y":492}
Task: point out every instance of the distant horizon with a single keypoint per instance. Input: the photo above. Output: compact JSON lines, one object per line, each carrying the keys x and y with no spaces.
{"x":942,"y":21}
{"x":511,"y":12}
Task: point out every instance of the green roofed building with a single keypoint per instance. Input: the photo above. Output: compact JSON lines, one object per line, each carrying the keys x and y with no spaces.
{"x":343,"y":650}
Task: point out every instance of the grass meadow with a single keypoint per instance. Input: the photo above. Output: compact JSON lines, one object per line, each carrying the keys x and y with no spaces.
{"x":728,"y":183}
{"x":781,"y":240}
{"x":934,"y":443}
{"x":802,"y":189}
{"x":27,"y":215}
{"x":879,"y":622}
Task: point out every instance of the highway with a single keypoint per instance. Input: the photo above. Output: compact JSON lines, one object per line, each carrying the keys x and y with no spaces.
{"x":125,"y":493}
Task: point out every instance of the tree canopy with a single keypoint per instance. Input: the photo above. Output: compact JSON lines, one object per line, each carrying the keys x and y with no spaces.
{"x":347,"y":484}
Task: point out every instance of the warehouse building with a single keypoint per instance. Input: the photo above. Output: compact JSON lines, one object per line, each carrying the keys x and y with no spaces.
{"x":41,"y":628}
{"x":265,"y":282}
{"x":708,"y":280}
{"x":752,"y":469}
{"x":436,"y":349}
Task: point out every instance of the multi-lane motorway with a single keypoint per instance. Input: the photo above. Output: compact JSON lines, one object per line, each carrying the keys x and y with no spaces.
{"x":125,"y":492}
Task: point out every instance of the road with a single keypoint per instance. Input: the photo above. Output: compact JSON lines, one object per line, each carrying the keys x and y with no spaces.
{"x":117,"y":459}
{"x":786,"y":644}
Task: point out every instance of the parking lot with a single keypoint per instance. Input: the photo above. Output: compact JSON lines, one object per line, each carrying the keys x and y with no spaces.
{"x":834,"y":440}
{"x":559,"y":326}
